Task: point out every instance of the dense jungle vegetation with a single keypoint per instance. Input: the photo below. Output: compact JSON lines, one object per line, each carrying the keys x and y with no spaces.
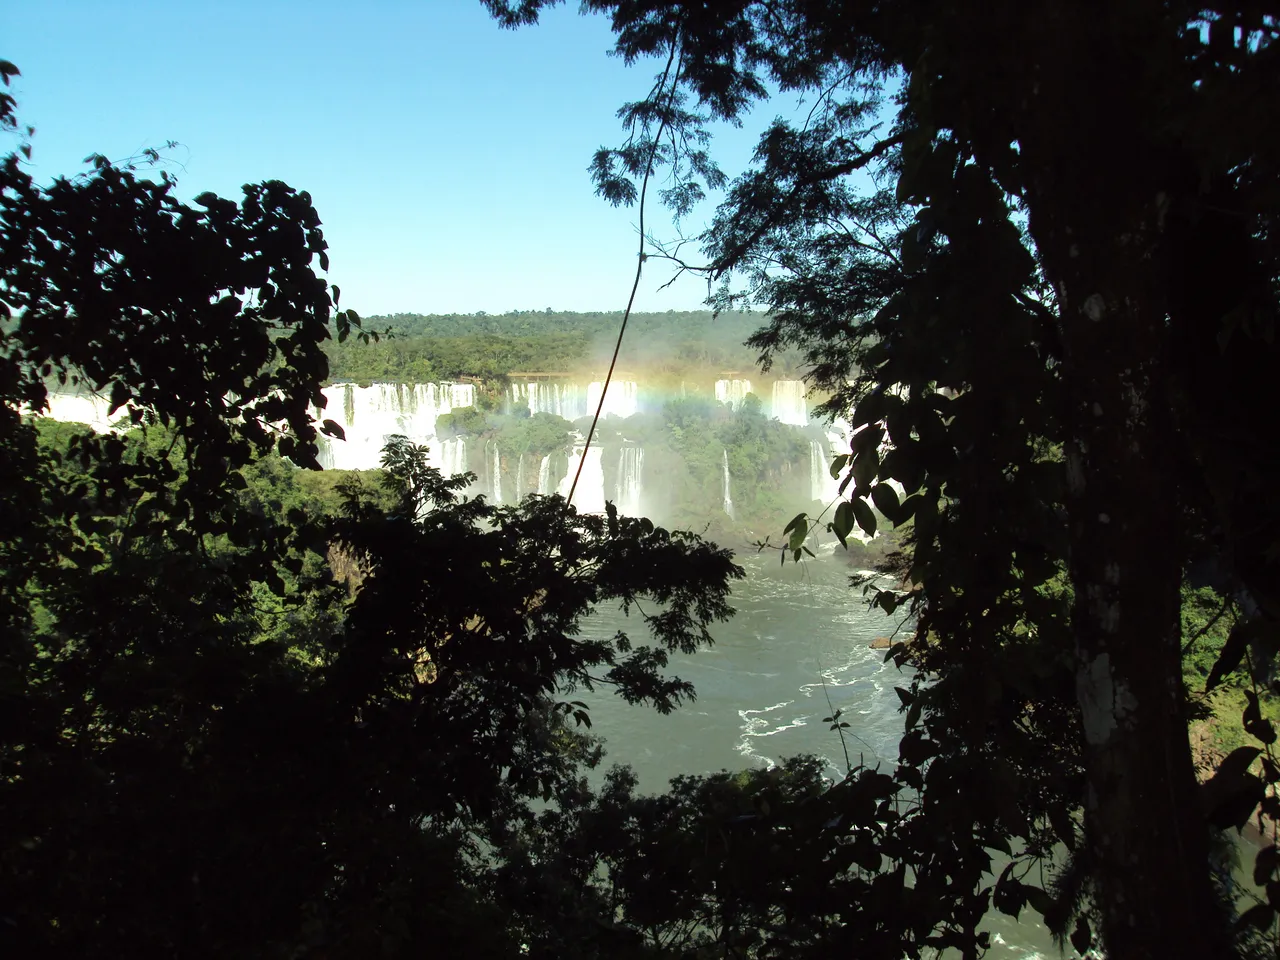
{"x":419,"y":349}
{"x":247,"y":714}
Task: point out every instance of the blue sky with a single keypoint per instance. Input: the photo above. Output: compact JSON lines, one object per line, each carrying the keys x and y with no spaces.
{"x":447,"y":157}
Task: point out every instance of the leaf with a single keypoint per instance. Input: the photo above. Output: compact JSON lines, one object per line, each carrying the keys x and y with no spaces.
{"x":119,"y":397}
{"x":886,"y":500}
{"x":865,"y":517}
{"x":1009,"y":895}
{"x":1082,"y":936}
{"x":1230,"y":795}
{"x":1264,"y":865}
{"x":913,"y":714}
{"x":1231,"y":654}
{"x":867,"y":439}
{"x":1040,"y":901}
{"x":865,"y":467}
{"x":902,"y":463}
{"x":907,"y":509}
{"x":796,"y":521}
{"x":1063,"y":826}
{"x":870,"y":408}
{"x":333,"y":429}
{"x":904,"y":695}
{"x":837,"y":465}
{"x":797,"y":537}
{"x":1259,"y":916}
{"x":842,"y":525}
{"x":913,"y":778}
{"x":1254,"y":724}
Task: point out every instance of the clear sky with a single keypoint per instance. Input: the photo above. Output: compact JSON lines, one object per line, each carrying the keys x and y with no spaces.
{"x":446,"y":156}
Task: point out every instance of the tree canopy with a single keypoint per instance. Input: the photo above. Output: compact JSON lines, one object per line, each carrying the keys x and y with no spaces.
{"x":236,"y":722}
{"x":1053,"y":320}
{"x":244,"y":719}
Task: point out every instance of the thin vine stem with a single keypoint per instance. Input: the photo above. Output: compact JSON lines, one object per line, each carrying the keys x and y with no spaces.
{"x":640,"y":258}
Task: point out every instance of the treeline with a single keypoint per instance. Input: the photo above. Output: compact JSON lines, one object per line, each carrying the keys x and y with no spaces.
{"x":424,"y":347}
{"x":421,"y":359}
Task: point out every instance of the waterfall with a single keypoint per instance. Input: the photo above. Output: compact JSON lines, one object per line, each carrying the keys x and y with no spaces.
{"x":620,"y":399}
{"x":788,"y":403}
{"x":519,"y":478}
{"x":368,"y":415}
{"x":821,"y":486}
{"x":496,"y":476}
{"x":563,"y":399}
{"x":589,"y":497}
{"x":630,"y":471}
{"x":544,"y":476}
{"x":453,"y":456}
{"x":728,"y":500}
{"x":324,"y":452}
{"x":87,"y":408}
{"x":732,"y":392}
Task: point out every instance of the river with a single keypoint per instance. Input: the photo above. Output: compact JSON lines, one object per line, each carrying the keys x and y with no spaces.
{"x":801,"y":636}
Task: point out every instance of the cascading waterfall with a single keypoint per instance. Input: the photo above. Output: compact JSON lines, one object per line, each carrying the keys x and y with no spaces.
{"x":460,"y":395}
{"x":368,"y":415}
{"x":728,"y":499}
{"x":630,"y":474}
{"x":544,"y":476}
{"x":563,"y":399}
{"x":732,"y":392}
{"x":788,"y":403}
{"x":324,"y":452}
{"x":621,"y":399}
{"x":453,"y":456}
{"x":589,"y":496}
{"x":821,"y":486}
{"x":520,"y":478}
{"x":87,"y":408}
{"x":496,"y":475}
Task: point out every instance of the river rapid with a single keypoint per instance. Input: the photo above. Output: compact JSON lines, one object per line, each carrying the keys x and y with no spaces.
{"x":801,"y":637}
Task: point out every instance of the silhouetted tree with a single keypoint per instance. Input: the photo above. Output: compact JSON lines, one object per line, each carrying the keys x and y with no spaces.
{"x":1054,"y":323}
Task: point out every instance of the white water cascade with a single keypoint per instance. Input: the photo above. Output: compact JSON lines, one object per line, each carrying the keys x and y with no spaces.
{"x":728,"y":500}
{"x":620,"y":400}
{"x":630,"y":480}
{"x":496,"y":475}
{"x":87,"y":408}
{"x":520,"y":478}
{"x":561,"y":398}
{"x":368,"y":415}
{"x":732,"y":392}
{"x":821,"y":485}
{"x":453,"y":456}
{"x":544,"y":476}
{"x":589,"y":496}
{"x":788,"y":403}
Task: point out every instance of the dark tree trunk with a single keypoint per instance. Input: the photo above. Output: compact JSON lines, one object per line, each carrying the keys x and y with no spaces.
{"x":1098,"y":216}
{"x":1146,"y":833}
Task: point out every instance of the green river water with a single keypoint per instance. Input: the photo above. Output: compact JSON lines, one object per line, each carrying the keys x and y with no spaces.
{"x":761,"y":698}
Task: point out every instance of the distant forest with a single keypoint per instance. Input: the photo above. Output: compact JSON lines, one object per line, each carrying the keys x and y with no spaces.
{"x":419,"y":348}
